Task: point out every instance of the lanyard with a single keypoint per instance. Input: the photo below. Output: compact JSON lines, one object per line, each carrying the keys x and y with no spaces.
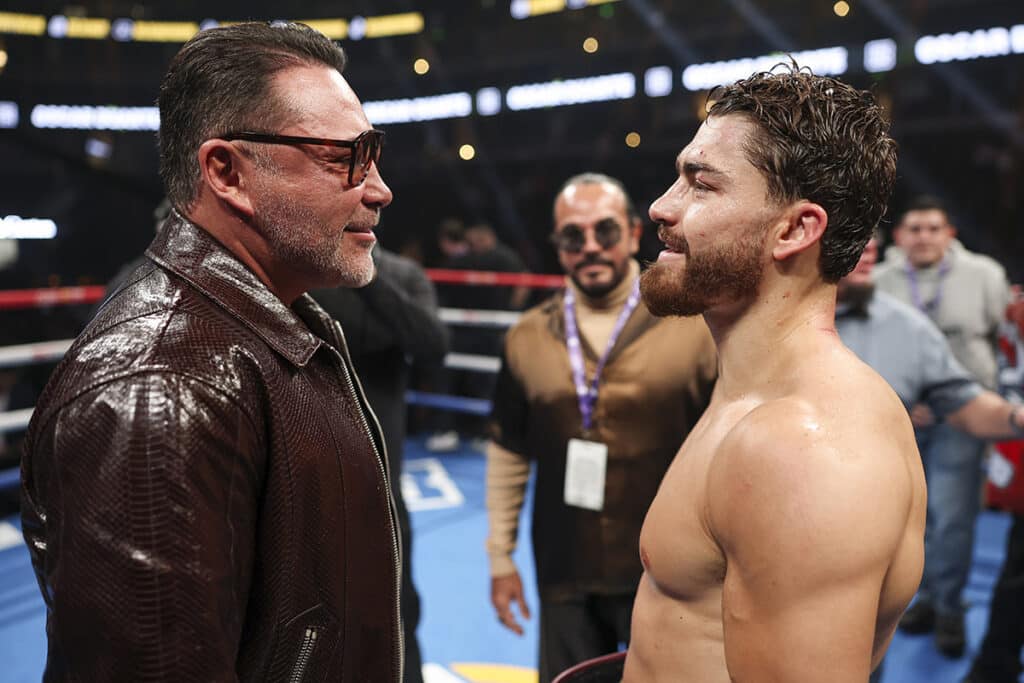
{"x":588,"y":395}
{"x":928,"y":307}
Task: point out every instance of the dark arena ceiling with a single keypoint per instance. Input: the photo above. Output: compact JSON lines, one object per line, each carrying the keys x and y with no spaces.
{"x":950,"y":73}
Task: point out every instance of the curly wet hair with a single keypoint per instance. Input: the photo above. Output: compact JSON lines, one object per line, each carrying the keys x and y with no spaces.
{"x":822,"y":140}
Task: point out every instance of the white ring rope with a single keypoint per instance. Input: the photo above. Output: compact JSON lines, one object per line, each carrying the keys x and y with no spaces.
{"x":479,"y":318}
{"x":15,"y":420}
{"x":27,"y":354}
{"x":48,"y":351}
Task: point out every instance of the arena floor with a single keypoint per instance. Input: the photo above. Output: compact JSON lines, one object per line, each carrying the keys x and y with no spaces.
{"x":462,"y":641}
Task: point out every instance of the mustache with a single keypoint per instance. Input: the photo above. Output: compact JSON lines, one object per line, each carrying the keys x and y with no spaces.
{"x":673,"y":242}
{"x":593,"y":260}
{"x":368,"y":222}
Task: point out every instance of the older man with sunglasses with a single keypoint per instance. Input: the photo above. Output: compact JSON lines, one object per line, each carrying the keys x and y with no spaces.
{"x":205,"y":490}
{"x":595,"y":390}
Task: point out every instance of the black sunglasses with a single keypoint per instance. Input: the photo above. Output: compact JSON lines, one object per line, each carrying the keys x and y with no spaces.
{"x":572,"y":238}
{"x":366,"y":148}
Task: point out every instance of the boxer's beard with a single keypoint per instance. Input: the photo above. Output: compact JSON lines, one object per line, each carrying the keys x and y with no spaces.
{"x":722,"y":274}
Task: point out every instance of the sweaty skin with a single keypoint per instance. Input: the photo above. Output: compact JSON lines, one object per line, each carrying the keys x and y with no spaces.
{"x":787,"y":536}
{"x":781,"y":531}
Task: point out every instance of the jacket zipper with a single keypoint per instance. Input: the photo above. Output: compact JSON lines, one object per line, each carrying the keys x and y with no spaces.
{"x":353,"y":384}
{"x":305,"y":652}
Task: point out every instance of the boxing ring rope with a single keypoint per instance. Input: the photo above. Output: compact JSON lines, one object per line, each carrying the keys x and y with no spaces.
{"x":27,"y":354}
{"x":13,"y":299}
{"x":51,"y":351}
{"x":43,"y":352}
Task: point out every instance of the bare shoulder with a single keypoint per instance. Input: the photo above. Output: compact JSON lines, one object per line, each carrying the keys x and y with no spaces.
{"x":804,"y":474}
{"x":815,"y":498}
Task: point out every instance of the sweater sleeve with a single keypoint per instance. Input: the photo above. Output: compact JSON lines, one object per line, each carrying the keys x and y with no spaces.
{"x":507,"y":474}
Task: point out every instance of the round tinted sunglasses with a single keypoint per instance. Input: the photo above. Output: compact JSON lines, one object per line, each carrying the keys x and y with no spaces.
{"x":572,"y":238}
{"x":366,"y":148}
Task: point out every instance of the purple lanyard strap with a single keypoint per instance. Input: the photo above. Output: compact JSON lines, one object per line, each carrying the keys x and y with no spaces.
{"x":588,"y":395}
{"x":927,"y":307}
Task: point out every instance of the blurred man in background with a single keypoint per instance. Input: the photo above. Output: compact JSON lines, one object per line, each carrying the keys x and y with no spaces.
{"x":906,"y":348}
{"x":965,"y":295}
{"x":481,"y":251}
{"x":390,"y":325}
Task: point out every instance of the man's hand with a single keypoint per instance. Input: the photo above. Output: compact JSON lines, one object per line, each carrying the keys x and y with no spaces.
{"x":504,"y":591}
{"x":921,"y":416}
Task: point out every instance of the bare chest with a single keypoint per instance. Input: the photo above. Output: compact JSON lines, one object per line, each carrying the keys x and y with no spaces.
{"x":680,"y":556}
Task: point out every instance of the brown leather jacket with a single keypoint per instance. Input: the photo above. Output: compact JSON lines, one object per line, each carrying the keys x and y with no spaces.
{"x":205,"y":496}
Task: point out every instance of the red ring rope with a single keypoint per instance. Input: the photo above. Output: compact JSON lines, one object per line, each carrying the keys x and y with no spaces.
{"x":12,"y":299}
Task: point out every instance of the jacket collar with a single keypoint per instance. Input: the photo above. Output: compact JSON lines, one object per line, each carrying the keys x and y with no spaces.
{"x":190,"y":252}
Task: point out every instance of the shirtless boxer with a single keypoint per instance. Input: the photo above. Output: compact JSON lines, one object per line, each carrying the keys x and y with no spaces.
{"x":787,"y":536}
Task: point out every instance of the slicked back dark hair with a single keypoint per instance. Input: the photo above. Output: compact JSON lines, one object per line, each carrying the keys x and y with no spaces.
{"x":822,"y":140}
{"x":220,"y":82}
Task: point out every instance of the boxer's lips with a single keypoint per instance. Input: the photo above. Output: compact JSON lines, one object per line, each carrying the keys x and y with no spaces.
{"x":671,"y":255}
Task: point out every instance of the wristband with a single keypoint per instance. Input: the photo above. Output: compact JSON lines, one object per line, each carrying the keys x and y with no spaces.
{"x":1015,"y":426}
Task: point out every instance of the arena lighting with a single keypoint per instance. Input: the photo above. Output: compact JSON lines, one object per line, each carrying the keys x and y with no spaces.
{"x":488,"y":101}
{"x":357,"y":28}
{"x":18,"y":228}
{"x":467,"y":152}
{"x":99,"y":149}
{"x":61,"y":26}
{"x":84,"y":27}
{"x":87,"y":117}
{"x":658,"y":81}
{"x":394,"y":25}
{"x":828,"y":61}
{"x":965,"y":45}
{"x":24,"y":24}
{"x":57,"y":26}
{"x":880,"y":55}
{"x":124,"y":29}
{"x":522,"y":9}
{"x":621,"y":86}
{"x":165,"y":31}
{"x":448,"y":106}
{"x":335,"y":29}
{"x":8,"y":115}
